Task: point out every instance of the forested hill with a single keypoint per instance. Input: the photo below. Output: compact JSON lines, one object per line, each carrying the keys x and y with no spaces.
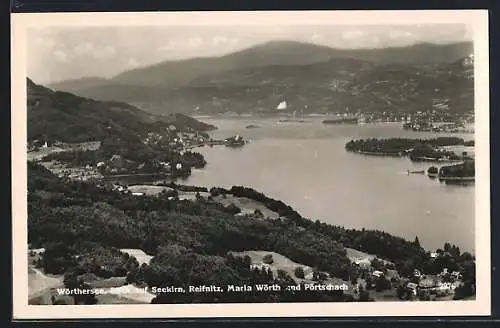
{"x":71,"y":217}
{"x":57,"y":115}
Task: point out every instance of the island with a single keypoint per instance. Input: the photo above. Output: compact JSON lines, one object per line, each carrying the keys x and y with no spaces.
{"x":234,"y":142}
{"x":252,"y":126}
{"x":458,"y":173}
{"x":431,"y":150}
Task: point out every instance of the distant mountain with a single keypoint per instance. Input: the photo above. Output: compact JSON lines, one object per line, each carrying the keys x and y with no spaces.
{"x":63,"y":116}
{"x":285,"y":53}
{"x":319,"y":77}
{"x":76,"y":85}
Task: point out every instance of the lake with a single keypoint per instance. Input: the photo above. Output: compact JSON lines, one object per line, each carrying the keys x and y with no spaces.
{"x":306,"y":166}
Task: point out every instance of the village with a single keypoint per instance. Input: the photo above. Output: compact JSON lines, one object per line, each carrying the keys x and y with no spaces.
{"x":48,"y":153}
{"x":376,"y":279}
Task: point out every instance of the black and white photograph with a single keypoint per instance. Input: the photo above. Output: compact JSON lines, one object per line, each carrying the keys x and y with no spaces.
{"x":312,"y":163}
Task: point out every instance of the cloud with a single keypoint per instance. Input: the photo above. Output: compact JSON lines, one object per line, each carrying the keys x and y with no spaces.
{"x":132,"y":62}
{"x":106,"y":52}
{"x":195,"y":42}
{"x":61,"y":56}
{"x":399,"y":34}
{"x":316,"y":37}
{"x":45,"y":42}
{"x":182,"y":44}
{"x":83,"y":48}
{"x":350,"y":35}
{"x":220,"y":40}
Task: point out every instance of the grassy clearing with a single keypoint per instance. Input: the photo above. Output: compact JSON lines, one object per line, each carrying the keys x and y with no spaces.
{"x":247,"y":205}
{"x":280,"y":262}
{"x":190,"y":195}
{"x":355,"y":255}
{"x":38,"y":282}
{"x":128,"y":294}
{"x":139,"y":254}
{"x":108,"y":283}
{"x":148,"y":190}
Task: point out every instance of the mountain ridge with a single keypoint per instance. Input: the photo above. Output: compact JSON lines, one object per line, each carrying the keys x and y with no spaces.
{"x":241,"y":82}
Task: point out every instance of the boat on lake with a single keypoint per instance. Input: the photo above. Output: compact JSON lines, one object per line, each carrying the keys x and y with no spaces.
{"x":416,"y":172}
{"x":293,"y":119}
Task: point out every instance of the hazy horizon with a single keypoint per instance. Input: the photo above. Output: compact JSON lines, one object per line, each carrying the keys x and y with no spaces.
{"x":57,"y":54}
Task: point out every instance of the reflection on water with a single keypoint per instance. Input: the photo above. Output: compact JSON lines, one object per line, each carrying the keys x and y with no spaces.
{"x":306,"y":166}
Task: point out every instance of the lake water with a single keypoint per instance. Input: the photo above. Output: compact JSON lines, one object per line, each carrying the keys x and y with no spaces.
{"x":306,"y":166}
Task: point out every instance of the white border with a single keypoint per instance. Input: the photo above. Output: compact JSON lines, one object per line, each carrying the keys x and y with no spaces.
{"x":477,"y":19}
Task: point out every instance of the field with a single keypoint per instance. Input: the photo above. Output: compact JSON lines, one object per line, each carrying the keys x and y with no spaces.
{"x":280,"y":262}
{"x":138,"y":254}
{"x":148,"y":190}
{"x":355,"y":255}
{"x":40,"y":286}
{"x":247,"y":206}
{"x":42,"y":152}
{"x":128,"y":294}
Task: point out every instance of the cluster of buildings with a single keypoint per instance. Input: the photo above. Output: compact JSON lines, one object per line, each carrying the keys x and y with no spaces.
{"x":440,"y":285}
{"x":440,"y":120}
{"x":86,"y":173}
{"x":175,"y":139}
{"x":423,"y":120}
{"x":37,"y":144}
{"x":443,"y":127}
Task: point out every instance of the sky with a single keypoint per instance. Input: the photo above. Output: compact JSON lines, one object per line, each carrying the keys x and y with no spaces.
{"x":61,"y":53}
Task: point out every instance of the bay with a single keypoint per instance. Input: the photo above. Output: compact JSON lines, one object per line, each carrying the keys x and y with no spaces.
{"x":306,"y":166}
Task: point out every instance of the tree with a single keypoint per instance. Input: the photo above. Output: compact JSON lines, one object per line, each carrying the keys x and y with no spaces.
{"x":401,"y":292}
{"x":416,"y":241}
{"x":382,"y":284}
{"x":364,"y":295}
{"x":268,"y":259}
{"x":299,"y":272}
{"x":463,"y":291}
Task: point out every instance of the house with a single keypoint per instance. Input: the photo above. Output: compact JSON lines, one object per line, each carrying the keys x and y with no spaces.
{"x":456,"y":275}
{"x":428,"y":283}
{"x":100,"y":164}
{"x":434,"y":255}
{"x":37,"y":251}
{"x":377,"y":273}
{"x":260,"y":266}
{"x":412,"y":287}
{"x":117,"y":161}
{"x":138,"y":194}
{"x":455,"y":285}
{"x":178,"y":166}
{"x":363,"y":263}
{"x":309,"y":275}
